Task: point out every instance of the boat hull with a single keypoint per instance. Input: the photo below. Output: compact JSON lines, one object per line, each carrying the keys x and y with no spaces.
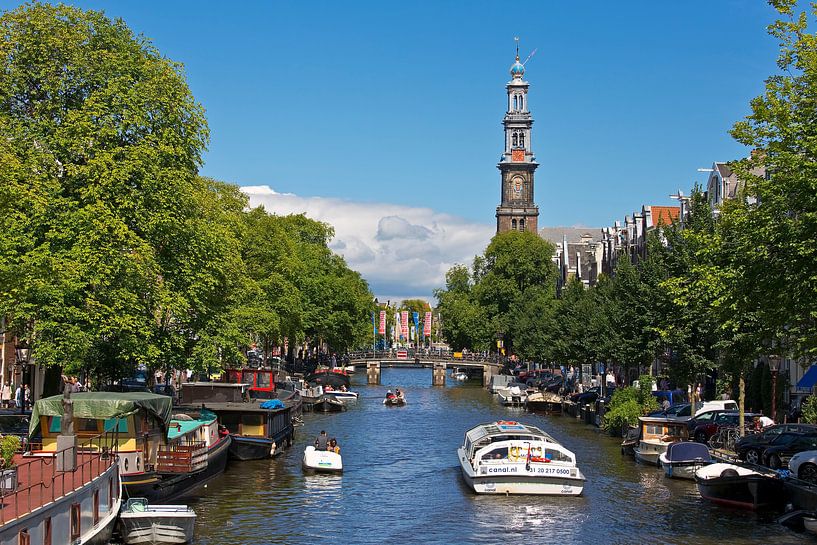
{"x":649,"y":452}
{"x":753,"y":492}
{"x":251,"y":448}
{"x":327,"y":404}
{"x":394,"y":402}
{"x":321,"y":461}
{"x":162,"y":488}
{"x":153,"y":528}
{"x":544,"y":480}
{"x":681,"y":469}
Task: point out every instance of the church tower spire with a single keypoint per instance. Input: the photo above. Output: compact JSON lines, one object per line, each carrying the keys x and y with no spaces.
{"x":517,"y":211}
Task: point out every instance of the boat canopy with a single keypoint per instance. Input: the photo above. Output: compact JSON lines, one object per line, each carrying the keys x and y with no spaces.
{"x":505,"y":428}
{"x":103,"y":405}
{"x":685,"y":451}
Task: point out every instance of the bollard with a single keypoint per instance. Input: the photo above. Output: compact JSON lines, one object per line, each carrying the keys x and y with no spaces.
{"x":373,"y":372}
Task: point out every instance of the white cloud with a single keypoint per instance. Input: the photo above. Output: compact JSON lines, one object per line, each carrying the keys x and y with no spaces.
{"x":403,"y":252}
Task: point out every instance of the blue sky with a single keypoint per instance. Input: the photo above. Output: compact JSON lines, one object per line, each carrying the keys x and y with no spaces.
{"x":401,"y":103}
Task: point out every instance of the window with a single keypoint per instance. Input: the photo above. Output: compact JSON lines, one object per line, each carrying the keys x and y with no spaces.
{"x":515,"y":139}
{"x":248,"y":378}
{"x":522,"y":224}
{"x":514,"y":102}
{"x":496,"y":454}
{"x":522,"y":139}
{"x":47,"y":531}
{"x":513,"y":225}
{"x":87,"y":425}
{"x":116,"y":424}
{"x":110,"y":493}
{"x":76,"y":518}
{"x":96,"y":506}
{"x":521,"y":107}
{"x":263,"y":380}
{"x":54,"y":424}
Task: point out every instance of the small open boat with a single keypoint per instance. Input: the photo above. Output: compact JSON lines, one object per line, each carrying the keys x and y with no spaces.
{"x":342,"y":396}
{"x":544,"y":401}
{"x":393,"y":400}
{"x":154,"y":524}
{"x":327,"y":403}
{"x":321,"y":461}
{"x":459,"y":374}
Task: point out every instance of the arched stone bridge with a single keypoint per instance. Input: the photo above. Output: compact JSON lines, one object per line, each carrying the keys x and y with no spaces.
{"x":374,"y":360}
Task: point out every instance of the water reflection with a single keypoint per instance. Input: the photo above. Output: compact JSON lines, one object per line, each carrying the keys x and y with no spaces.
{"x":401,"y":481}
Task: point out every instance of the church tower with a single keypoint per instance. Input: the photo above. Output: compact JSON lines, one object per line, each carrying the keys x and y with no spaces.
{"x":517,"y":211}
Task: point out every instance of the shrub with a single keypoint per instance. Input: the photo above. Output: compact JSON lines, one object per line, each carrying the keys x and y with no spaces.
{"x":809,"y":409}
{"x":9,"y":445}
{"x":628,"y":403}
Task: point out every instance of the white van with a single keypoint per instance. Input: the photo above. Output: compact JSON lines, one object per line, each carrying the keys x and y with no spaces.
{"x":717,"y":405}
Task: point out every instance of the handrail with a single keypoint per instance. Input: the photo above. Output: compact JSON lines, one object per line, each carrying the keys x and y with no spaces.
{"x":41,"y":475}
{"x":431,"y":355}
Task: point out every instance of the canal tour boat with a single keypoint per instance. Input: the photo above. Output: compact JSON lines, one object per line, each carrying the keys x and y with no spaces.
{"x":323,"y":376}
{"x":656,"y":436}
{"x":512,"y":458}
{"x":321,"y":461}
{"x":683,"y":458}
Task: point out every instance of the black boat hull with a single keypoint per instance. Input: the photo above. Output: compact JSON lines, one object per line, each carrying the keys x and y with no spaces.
{"x":163,"y":488}
{"x":326,"y":405}
{"x":251,"y":448}
{"x":331,"y":378}
{"x":755,"y":492}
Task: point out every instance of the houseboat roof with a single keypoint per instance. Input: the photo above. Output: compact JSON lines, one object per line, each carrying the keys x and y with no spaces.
{"x":100,"y":405}
{"x":182,"y":424}
{"x":661,"y":420}
{"x":227,"y":406}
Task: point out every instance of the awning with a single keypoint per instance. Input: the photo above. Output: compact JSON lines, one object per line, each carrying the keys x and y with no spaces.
{"x":809,"y":379}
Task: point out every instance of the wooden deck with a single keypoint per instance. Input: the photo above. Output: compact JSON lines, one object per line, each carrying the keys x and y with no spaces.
{"x":38,"y":482}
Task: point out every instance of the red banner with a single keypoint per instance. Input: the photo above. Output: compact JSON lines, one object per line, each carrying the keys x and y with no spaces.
{"x":382,"y":328}
{"x":404,"y":324}
{"x":427,"y":325}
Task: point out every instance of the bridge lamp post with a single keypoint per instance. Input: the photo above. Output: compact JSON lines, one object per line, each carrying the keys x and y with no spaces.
{"x":774,"y":367}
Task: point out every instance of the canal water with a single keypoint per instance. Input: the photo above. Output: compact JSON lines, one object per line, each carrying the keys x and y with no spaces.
{"x":401,"y":483}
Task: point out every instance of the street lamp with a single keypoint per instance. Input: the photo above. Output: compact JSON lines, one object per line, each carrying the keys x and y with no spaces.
{"x":22,"y":355}
{"x":774,"y":367}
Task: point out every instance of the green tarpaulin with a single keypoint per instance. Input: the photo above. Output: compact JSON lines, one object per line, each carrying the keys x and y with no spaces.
{"x":101,"y":405}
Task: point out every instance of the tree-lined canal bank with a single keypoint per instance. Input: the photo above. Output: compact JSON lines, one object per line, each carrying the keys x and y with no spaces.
{"x":401,"y":482}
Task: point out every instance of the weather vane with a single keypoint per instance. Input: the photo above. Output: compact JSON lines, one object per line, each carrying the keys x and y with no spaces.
{"x":532,"y":53}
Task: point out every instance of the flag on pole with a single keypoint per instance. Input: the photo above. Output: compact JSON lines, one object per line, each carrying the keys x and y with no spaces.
{"x":427,"y":325}
{"x":397,"y":331}
{"x":382,"y":329}
{"x":374,"y":327}
{"x":404,"y":325}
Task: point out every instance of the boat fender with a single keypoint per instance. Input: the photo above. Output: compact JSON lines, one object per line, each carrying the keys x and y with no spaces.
{"x":272,"y":449}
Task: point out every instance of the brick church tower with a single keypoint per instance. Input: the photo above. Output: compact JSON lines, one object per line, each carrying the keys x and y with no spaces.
{"x":517,"y":211}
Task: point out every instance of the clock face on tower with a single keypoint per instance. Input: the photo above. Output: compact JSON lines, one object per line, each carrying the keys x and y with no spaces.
{"x":518,"y":155}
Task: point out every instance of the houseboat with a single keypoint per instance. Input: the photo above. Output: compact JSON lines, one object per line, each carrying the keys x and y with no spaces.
{"x":159,"y":458}
{"x":50,"y":506}
{"x":513,"y":458}
{"x":323,"y":376}
{"x":655,"y":437}
{"x":258,"y":428}
{"x":260,"y":382}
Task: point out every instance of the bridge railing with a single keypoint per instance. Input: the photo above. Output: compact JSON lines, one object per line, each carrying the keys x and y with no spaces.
{"x":423,"y":354}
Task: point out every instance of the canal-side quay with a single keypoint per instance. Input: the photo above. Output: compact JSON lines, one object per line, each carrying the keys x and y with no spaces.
{"x":401,"y":482}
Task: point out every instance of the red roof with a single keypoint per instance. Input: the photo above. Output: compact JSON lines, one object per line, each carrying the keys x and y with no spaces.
{"x":665,"y":215}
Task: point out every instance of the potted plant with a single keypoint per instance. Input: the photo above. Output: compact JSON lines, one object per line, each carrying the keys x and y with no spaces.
{"x":9,"y":445}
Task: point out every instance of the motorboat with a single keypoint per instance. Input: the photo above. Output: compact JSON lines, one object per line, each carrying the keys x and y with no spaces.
{"x":140,"y":522}
{"x":395,"y":400}
{"x":498,"y":382}
{"x":459,"y":374}
{"x":508,"y":457}
{"x":629,"y":440}
{"x":349,"y":369}
{"x":655,"y":437}
{"x":737,"y":486}
{"x":321,"y":461}
{"x":514,"y":395}
{"x":544,"y":401}
{"x":341,"y":395}
{"x":327,"y":403}
{"x":683,"y":458}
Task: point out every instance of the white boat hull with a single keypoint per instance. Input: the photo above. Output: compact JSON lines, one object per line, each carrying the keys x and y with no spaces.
{"x":343,"y":397}
{"x":322,"y":461}
{"x":540,"y":479}
{"x":649,"y":452}
{"x":158,"y":524}
{"x":680,"y":470}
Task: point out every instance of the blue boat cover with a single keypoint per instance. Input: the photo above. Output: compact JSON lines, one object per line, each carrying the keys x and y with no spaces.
{"x":687,"y":451}
{"x":809,"y":379}
{"x":272,"y":404}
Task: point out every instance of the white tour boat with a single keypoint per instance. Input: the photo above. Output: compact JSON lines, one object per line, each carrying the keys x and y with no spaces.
{"x":512,"y":458}
{"x":322,"y":461}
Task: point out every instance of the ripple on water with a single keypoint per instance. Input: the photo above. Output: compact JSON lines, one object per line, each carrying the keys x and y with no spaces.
{"x":401,"y":482}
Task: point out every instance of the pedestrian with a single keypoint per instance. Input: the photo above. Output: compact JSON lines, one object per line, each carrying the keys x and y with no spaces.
{"x":6,"y":395}
{"x":699,"y":392}
{"x":27,"y":397}
{"x":18,"y":397}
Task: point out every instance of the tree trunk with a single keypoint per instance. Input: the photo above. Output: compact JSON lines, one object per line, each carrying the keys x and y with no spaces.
{"x":741,"y":403}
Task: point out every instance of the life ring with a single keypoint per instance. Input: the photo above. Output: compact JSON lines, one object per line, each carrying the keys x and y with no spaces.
{"x":514,"y":453}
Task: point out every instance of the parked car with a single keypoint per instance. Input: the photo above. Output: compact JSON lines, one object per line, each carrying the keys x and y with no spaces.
{"x":750,"y":448}
{"x":803,"y":465}
{"x":786,"y":445}
{"x":679,"y":411}
{"x":703,"y":430}
{"x":717,"y":404}
{"x":705,"y":418}
{"x":588,"y":396}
